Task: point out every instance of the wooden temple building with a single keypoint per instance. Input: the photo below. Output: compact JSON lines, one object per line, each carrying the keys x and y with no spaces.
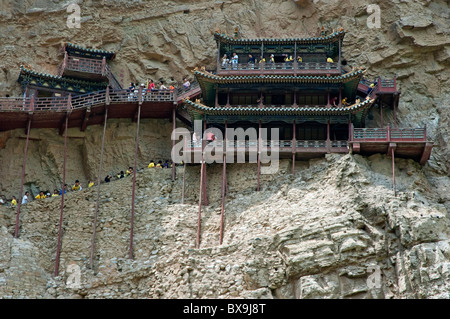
{"x":296,"y":85}
{"x":300,"y":87}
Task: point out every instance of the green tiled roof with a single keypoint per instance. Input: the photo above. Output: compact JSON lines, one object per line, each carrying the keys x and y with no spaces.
{"x":323,"y":39}
{"x":86,"y":52}
{"x":270,"y":110}
{"x":209,"y":77}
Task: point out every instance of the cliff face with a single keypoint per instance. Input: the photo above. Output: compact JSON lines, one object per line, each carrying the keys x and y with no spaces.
{"x":313,"y":235}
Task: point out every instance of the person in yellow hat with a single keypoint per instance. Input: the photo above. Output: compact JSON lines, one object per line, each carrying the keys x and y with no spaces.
{"x":14,"y":201}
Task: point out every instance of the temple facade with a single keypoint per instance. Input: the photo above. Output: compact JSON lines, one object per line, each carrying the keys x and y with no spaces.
{"x":300,"y":87}
{"x":83,"y":70}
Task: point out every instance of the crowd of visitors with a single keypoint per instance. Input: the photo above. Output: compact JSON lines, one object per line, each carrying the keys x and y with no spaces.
{"x":150,"y":86}
{"x":77,"y":185}
{"x":233,"y":62}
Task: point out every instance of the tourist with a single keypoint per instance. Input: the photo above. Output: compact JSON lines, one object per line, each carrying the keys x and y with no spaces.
{"x":41,"y":195}
{"x":166,"y":164}
{"x":151,"y":85}
{"x":234,"y":60}
{"x":333,"y":101}
{"x":344,"y":101}
{"x":225,"y":61}
{"x":330,"y":60}
{"x":370,"y":89}
{"x":151,"y":164}
{"x":162,"y":86}
{"x":120,"y":175}
{"x":251,"y":60}
{"x":25,"y":198}
{"x":262,"y":60}
{"x":63,"y":190}
{"x":90,"y":184}
{"x":77,"y":186}
{"x":272,"y":58}
{"x":299,"y":59}
{"x":131,"y":91}
{"x":129,"y":171}
{"x":14,"y":201}
{"x":159,"y":165}
{"x":108,"y":178}
{"x":186,"y":85}
{"x":55,"y":193}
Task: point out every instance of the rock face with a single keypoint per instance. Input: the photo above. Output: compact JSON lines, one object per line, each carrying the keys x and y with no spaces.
{"x":334,"y":230}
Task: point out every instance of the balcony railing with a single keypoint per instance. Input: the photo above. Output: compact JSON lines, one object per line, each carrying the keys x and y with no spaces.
{"x":85,"y":100}
{"x":282,"y":144}
{"x":389,"y":134}
{"x":288,"y":67}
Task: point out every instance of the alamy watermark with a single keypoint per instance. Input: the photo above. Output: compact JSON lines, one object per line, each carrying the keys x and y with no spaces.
{"x":74,"y":279}
{"x":374,"y":279}
{"x":238,"y":144}
{"x":74,"y":19}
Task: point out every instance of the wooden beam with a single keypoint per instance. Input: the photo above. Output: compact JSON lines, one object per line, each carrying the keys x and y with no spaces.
{"x":62,"y":126}
{"x":86,"y":119}
{"x":393,"y":171}
{"x":222,"y":211}
{"x":391,"y":148}
{"x":426,"y":153}
{"x":199,"y":217}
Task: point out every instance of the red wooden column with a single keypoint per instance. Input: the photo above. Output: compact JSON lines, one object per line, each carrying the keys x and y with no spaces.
{"x":259,"y":154}
{"x":328,"y":137}
{"x":94,"y":230}
{"x":393,"y":171}
{"x":58,"y":248}
{"x":199,"y":218}
{"x":133,"y":192}
{"x":25,"y":153}
{"x":222,"y":211}
{"x":173,"y":142}
{"x":294,"y":147}
{"x":184,"y":170}
{"x":205,"y":194}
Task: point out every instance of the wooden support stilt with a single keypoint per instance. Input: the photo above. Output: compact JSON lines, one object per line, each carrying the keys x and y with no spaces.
{"x":199,"y":219}
{"x":58,"y":247}
{"x":94,"y":230}
{"x":259,"y":155}
{"x":130,"y":253}
{"x":205,"y":194}
{"x":184,"y":182}
{"x":222,"y":211}
{"x":328,"y":137}
{"x":173,"y":142}
{"x":294,"y":146}
{"x":393,"y":171}
{"x":25,"y":153}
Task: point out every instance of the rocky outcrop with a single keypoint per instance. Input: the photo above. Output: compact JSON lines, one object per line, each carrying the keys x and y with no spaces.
{"x":334,"y":230}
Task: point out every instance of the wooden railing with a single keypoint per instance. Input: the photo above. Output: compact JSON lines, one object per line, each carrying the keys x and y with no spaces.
{"x":27,"y":104}
{"x":389,"y":134}
{"x":294,"y":65}
{"x":271,"y":143}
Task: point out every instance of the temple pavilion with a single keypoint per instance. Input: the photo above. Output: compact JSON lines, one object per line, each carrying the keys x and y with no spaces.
{"x":294,"y":85}
{"x":83,"y":70}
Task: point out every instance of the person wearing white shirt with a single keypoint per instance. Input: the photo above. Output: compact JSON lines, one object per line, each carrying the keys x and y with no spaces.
{"x":25,"y":198}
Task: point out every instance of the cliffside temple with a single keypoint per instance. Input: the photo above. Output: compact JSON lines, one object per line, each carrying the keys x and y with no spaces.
{"x":298,"y":86}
